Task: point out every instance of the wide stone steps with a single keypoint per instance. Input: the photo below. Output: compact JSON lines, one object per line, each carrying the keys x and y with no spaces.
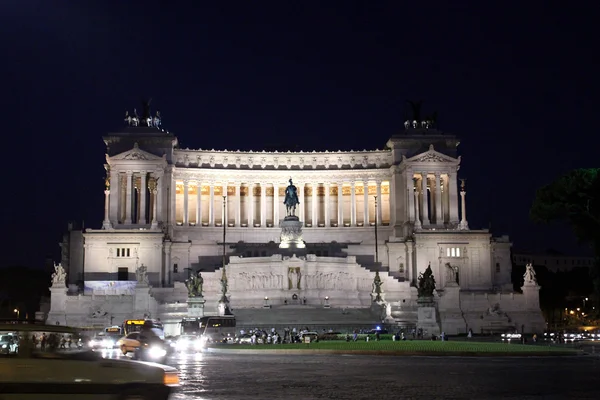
{"x":368,"y":263}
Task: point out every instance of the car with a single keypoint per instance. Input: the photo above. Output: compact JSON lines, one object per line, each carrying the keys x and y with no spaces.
{"x":129,"y":343}
{"x":9,"y":344}
{"x":188,"y":343}
{"x":51,"y":372}
{"x":104,"y":341}
{"x":313,"y":337}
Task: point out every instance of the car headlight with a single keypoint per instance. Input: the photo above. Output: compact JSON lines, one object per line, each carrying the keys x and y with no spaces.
{"x":4,"y":346}
{"x":199,"y":344}
{"x":93,"y":343}
{"x":156,"y":352}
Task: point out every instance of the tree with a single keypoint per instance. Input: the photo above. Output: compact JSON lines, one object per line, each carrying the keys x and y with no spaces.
{"x":574,"y":198}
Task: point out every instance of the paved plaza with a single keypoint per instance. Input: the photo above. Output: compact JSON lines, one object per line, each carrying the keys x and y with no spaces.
{"x":224,"y":376}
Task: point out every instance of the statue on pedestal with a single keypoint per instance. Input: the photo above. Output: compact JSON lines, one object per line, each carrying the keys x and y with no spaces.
{"x":291,"y":199}
{"x":377,"y":283}
{"x":59,"y":276}
{"x":141,"y":274}
{"x":426,"y":283}
{"x":529,"y":276}
{"x":194,"y":285}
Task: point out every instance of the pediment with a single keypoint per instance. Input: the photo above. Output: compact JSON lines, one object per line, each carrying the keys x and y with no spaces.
{"x":135,"y":154}
{"x":431,"y":156}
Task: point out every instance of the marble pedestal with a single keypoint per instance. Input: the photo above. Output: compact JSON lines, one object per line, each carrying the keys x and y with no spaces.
{"x":427,"y":316}
{"x":195,"y":307}
{"x":291,"y":233}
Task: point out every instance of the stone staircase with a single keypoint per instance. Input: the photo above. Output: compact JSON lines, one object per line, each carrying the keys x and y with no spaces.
{"x":368,"y":262}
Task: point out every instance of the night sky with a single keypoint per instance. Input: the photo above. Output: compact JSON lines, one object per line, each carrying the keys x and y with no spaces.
{"x":517,"y":83}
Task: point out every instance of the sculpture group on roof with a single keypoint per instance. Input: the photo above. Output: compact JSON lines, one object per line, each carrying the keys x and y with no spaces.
{"x":146,"y":119}
{"x":418,"y":122}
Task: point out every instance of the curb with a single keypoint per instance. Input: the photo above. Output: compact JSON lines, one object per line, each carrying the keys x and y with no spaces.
{"x":387,"y":353}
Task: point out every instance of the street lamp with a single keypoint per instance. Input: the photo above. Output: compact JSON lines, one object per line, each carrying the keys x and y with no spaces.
{"x":376,"y":249}
{"x":16,"y":311}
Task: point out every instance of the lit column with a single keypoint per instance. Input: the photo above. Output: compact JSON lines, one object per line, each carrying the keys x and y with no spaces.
{"x":143,"y":190}
{"x":352,"y":204}
{"x":211,"y":205}
{"x":263,"y":204}
{"x":186,"y":216}
{"x":424,"y":196}
{"x":154,"y":220}
{"x":410,"y":190}
{"x":275,"y":204}
{"x":251,"y":205}
{"x":313,"y":212}
{"x":340,"y":203}
{"x":463,"y":222}
{"x":238,"y":205}
{"x":453,"y":198}
{"x":128,"y":198}
{"x":378,"y":216}
{"x":416,"y":203}
{"x":439,"y":217}
{"x":327,"y":205}
{"x":106,"y":222}
{"x":198,"y":203}
{"x":114,"y":197}
{"x":302,"y":205}
{"x":159,"y":199}
{"x":366,"y":203}
{"x":225,"y":210}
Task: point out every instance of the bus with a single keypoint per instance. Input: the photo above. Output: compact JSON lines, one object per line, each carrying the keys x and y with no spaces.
{"x":190,"y":326}
{"x":135,"y":325}
{"x":217,"y":329}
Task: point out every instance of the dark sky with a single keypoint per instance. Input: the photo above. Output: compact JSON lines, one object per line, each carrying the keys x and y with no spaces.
{"x":518,"y":83}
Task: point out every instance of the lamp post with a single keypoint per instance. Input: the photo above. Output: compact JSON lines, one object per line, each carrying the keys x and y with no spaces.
{"x":223,"y":272}
{"x":376,"y":246}
{"x":16,"y":311}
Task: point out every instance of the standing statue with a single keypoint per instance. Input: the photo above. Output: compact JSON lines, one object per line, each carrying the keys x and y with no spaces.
{"x":291,"y":199}
{"x":59,"y":275}
{"x":194,"y":285}
{"x":377,"y":283}
{"x":146,"y":116}
{"x":157,"y":120}
{"x":426,"y":283}
{"x":529,"y":276}
{"x":141,"y":274}
{"x":224,"y":288}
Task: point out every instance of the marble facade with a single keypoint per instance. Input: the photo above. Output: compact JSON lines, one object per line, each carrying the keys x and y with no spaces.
{"x":166,"y":208}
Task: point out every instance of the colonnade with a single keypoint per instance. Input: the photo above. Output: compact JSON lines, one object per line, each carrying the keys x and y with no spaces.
{"x":132,"y":198}
{"x":435,"y":199}
{"x":261,"y":205}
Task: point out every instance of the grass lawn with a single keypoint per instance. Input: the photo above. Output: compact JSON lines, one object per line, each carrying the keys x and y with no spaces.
{"x":414,"y":347}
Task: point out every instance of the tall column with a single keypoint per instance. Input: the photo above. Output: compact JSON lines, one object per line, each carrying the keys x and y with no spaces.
{"x":327,"y":205}
{"x":263,"y":204}
{"x":106,"y":223}
{"x":302,"y":205}
{"x":463,"y":222}
{"x":410,"y":195}
{"x":224,"y":211}
{"x":439,"y":217}
{"x":416,"y":203}
{"x":186,"y":209}
{"x":114,"y":198}
{"x":128,"y":198}
{"x":352,"y":204}
{"x":143,"y":191}
{"x":275,"y":204}
{"x":453,"y":198}
{"x":313,"y":199}
{"x":366,"y":203}
{"x":154,"y":210}
{"x":211,"y":205}
{"x":159,"y":198}
{"x":198,"y":203}
{"x":380,"y":206}
{"x":238,"y":205}
{"x":340,"y":204}
{"x":424,"y":196}
{"x":251,"y":204}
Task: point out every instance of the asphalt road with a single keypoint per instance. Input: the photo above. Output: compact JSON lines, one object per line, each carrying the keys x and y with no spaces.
{"x":248,"y":377}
